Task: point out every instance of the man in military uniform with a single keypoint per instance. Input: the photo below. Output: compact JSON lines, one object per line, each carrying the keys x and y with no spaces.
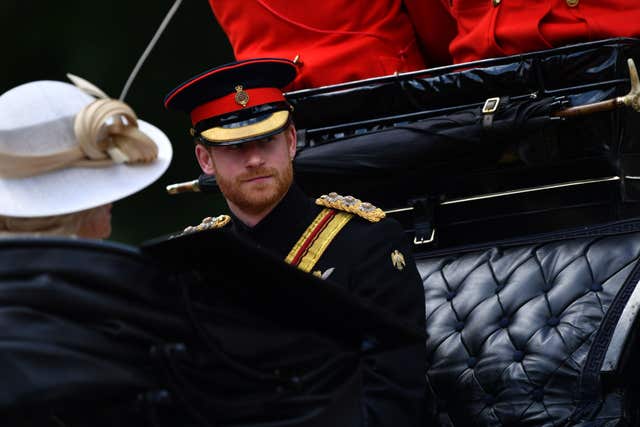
{"x":246,"y":138}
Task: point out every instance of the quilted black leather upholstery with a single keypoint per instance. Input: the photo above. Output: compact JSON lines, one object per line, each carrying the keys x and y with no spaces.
{"x":517,"y":332}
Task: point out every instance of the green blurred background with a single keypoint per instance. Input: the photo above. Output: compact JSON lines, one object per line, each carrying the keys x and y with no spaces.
{"x":101,"y":42}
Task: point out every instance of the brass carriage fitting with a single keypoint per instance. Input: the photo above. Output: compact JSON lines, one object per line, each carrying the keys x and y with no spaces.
{"x":631,"y":99}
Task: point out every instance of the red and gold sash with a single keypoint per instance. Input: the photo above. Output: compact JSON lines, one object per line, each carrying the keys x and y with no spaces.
{"x":316,"y":238}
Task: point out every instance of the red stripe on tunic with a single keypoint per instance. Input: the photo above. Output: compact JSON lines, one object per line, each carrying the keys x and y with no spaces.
{"x":321,"y":225}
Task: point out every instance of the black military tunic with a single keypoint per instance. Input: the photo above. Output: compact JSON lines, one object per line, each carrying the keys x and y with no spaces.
{"x":372,"y":261}
{"x":270,"y":359}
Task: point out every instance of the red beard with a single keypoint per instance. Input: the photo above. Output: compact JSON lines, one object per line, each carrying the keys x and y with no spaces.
{"x":255,"y":197}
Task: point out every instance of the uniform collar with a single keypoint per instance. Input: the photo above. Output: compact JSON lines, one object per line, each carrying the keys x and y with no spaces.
{"x":282,"y":227}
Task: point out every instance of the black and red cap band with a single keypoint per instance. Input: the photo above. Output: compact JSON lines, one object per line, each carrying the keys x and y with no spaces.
{"x":214,"y":93}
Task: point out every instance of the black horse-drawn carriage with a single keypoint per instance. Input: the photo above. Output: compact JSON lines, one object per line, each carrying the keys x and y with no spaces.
{"x":521,"y":198}
{"x":523,"y":210}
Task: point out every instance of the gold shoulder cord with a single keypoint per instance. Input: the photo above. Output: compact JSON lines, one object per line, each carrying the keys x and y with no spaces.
{"x":350,"y":204}
{"x":209,"y":223}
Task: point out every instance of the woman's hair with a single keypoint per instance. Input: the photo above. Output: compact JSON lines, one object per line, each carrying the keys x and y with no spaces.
{"x":56,"y":225}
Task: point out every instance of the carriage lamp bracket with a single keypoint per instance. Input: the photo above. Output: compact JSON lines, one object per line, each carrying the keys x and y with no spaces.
{"x":423,"y":220}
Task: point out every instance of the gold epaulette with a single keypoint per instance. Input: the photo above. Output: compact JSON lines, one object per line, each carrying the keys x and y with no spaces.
{"x":350,"y":204}
{"x":209,"y":223}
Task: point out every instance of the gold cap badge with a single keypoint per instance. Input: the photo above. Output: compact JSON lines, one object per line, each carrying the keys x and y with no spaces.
{"x":242,"y":97}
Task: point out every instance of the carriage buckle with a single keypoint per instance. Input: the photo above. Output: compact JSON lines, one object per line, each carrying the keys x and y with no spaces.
{"x":491,"y":105}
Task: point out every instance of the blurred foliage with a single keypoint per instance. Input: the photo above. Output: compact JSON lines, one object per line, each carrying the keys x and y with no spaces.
{"x":101,"y":42}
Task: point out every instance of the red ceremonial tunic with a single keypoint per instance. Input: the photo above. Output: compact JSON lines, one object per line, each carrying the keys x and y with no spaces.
{"x":494,"y":28}
{"x":336,"y":40}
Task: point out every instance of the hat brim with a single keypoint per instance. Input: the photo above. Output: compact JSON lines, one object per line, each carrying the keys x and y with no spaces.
{"x":79,"y":188}
{"x":272,"y":124}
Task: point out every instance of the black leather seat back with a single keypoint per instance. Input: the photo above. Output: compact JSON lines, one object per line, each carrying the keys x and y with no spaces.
{"x":517,"y":332}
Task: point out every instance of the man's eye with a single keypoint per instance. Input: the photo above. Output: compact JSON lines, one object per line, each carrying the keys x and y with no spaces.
{"x":227,"y":148}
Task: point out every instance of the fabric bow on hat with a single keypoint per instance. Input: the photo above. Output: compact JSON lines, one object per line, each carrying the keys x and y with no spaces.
{"x":106,"y":132}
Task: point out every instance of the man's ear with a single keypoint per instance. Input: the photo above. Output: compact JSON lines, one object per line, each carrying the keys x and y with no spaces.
{"x":293,"y":140}
{"x":205,"y":160}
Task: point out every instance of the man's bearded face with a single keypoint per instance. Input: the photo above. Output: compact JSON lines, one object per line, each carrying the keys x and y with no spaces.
{"x":258,"y":190}
{"x":255,"y":176}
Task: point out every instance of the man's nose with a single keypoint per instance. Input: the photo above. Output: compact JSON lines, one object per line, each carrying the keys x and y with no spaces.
{"x":253,"y":155}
